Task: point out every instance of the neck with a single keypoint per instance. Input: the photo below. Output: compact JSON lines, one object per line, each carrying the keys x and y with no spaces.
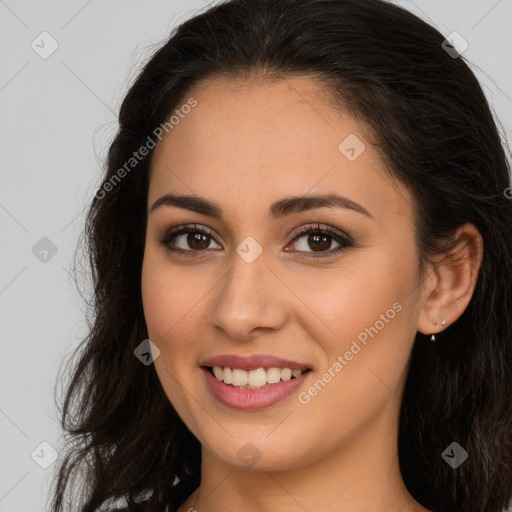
{"x":363,"y":475}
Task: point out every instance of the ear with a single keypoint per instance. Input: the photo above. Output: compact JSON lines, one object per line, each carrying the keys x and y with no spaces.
{"x":450,"y":283}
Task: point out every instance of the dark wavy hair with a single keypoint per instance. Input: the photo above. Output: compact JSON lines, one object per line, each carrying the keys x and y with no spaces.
{"x":426,"y":113}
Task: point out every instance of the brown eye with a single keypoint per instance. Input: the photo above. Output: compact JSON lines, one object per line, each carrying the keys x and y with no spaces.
{"x":320,"y":240}
{"x":316,"y":242}
{"x":197,"y":241}
{"x":189,"y":240}
{"x":194,"y":241}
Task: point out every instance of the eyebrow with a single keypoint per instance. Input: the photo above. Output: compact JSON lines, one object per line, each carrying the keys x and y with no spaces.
{"x":277,"y":210}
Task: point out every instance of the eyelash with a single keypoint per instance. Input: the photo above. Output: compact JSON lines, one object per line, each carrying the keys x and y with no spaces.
{"x":344,"y":240}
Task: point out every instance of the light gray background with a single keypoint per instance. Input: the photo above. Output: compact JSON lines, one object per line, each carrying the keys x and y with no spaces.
{"x":57,"y":118}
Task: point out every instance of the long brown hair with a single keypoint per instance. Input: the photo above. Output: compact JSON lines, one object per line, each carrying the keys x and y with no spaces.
{"x":429,"y":118}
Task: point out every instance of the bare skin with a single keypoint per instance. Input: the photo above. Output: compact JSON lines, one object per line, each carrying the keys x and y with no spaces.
{"x":244,"y":146}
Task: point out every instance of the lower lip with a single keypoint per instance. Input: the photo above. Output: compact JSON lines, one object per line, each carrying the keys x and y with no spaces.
{"x":250,"y":399}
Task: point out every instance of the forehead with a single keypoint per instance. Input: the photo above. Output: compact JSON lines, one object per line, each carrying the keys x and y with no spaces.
{"x":248,"y":143}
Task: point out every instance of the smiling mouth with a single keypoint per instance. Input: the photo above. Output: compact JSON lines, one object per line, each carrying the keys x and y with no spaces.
{"x":254,"y":379}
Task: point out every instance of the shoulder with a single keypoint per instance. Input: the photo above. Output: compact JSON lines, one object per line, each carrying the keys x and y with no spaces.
{"x":126,"y":509}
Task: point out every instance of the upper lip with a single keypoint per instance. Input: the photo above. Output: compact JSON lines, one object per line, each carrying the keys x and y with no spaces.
{"x":253,"y":362}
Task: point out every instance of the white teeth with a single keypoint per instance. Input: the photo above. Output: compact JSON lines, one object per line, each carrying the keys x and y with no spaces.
{"x":273,"y":375}
{"x":257,"y":378}
{"x":286,"y":374}
{"x":239,"y":377}
{"x":254,"y":379}
{"x":227,"y":375}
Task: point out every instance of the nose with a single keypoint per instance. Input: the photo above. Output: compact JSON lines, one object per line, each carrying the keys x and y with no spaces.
{"x":249,"y":297}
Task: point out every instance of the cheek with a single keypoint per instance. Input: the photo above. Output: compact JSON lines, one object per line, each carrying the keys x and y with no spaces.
{"x":174,"y":309}
{"x":365,"y":314}
{"x":168,"y":295}
{"x":158,"y":301}
{"x":343,"y":302}
{"x":168,"y":303}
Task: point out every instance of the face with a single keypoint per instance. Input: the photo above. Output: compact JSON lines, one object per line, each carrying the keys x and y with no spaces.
{"x":271,"y":278}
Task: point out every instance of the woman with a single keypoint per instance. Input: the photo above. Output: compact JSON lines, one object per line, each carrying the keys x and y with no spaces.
{"x":302,"y":257}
